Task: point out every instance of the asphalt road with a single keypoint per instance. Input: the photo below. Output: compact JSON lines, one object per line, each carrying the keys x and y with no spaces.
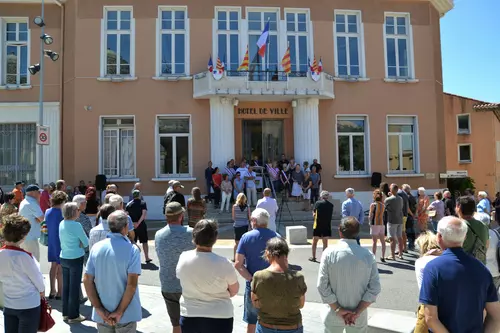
{"x":399,"y":287}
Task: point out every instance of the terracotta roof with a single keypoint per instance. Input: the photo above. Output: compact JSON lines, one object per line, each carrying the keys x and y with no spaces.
{"x":487,"y":106}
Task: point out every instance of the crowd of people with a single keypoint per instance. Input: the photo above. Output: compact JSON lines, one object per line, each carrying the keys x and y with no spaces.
{"x":458,"y":273}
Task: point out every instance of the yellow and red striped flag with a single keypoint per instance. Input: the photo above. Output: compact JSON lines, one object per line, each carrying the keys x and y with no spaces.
{"x":314,"y":67}
{"x":244,"y":64}
{"x":285,"y":62}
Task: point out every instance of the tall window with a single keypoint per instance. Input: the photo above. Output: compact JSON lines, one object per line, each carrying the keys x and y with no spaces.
{"x":256,"y":22}
{"x":352,"y":145}
{"x":463,"y":124}
{"x":174,"y":146}
{"x":118,"y":41}
{"x":118,"y":147}
{"x":398,"y":44}
{"x":17,"y":153}
{"x":228,"y":40}
{"x":348,"y":41}
{"x":173,"y":27}
{"x":297,"y":33}
{"x":16,"y":50}
{"x":402,"y":144}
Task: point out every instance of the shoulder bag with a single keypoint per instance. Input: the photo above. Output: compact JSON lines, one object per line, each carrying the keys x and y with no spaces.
{"x":46,"y":320}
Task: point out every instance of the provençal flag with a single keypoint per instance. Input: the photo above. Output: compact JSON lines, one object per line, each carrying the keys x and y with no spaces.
{"x":244,"y":64}
{"x":285,"y":62}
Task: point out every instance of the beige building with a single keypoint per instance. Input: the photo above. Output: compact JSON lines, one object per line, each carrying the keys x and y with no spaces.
{"x":131,"y":96}
{"x":473,"y":141}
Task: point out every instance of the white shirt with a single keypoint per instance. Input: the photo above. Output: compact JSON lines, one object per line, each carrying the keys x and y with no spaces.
{"x":491,"y":254}
{"x":271,"y":206}
{"x":250,"y":183}
{"x":205,"y":278}
{"x":21,"y":278}
{"x":98,"y":233}
{"x":242,"y":171}
{"x":420,"y":264}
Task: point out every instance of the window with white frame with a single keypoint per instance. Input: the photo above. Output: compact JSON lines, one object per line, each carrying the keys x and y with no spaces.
{"x":352,"y":144}
{"x":228,"y":37}
{"x":398,"y":45}
{"x":16,"y":51}
{"x":17,"y":153}
{"x":118,"y":43}
{"x":463,"y":124}
{"x":118,"y":147}
{"x":297,"y":32}
{"x":465,"y":153}
{"x":348,"y":44}
{"x":402,"y":138}
{"x":173,"y":41}
{"x":174,"y":136}
{"x":257,"y":20}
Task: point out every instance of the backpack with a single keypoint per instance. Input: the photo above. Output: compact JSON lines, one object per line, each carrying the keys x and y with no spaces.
{"x":497,"y":233}
{"x":478,"y":248}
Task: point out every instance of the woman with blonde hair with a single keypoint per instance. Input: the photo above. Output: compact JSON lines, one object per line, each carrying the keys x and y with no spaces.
{"x":376,"y":218}
{"x":429,"y":250}
{"x":423,"y":205}
{"x":241,"y":218}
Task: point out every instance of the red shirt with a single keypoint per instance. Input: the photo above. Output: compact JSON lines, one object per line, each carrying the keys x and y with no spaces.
{"x":45,"y":201}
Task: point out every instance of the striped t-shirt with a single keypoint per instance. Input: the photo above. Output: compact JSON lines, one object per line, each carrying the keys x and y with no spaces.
{"x":377,"y":213}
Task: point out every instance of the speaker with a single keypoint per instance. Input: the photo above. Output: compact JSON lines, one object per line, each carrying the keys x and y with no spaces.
{"x":100,"y":182}
{"x":376,"y":179}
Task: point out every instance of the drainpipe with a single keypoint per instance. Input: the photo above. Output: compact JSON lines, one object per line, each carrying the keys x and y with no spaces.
{"x":61,"y":87}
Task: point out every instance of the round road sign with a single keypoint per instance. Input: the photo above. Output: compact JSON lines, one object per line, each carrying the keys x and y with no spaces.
{"x":43,"y":137}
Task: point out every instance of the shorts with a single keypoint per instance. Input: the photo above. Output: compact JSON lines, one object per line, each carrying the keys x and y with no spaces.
{"x":394,"y":230}
{"x":118,"y":328}
{"x":173,"y":307}
{"x":405,"y":218}
{"x":250,"y":313}
{"x":377,"y":230}
{"x":141,"y":233}
{"x":322,"y":230}
{"x":239,"y":232}
{"x":32,"y":247}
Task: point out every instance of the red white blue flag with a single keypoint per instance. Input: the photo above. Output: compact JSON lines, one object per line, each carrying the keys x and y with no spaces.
{"x":262,"y":42}
{"x":210,"y":64}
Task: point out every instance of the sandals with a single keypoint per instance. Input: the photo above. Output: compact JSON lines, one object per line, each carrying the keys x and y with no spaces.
{"x":390,"y":258}
{"x":312,"y":259}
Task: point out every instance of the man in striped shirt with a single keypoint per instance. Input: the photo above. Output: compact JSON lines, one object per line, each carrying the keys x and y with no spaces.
{"x":348,"y":281}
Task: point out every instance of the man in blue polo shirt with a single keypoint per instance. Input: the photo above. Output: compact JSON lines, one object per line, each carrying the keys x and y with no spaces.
{"x":111,"y":279}
{"x":457,"y":288}
{"x":251,"y":251}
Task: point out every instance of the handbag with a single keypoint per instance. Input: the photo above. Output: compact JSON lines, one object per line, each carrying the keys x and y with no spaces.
{"x":46,"y":320}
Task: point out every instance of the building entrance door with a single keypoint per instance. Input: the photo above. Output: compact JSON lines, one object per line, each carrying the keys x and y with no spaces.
{"x":262,"y":138}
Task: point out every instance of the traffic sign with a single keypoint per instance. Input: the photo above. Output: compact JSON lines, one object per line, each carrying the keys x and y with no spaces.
{"x":42,"y":135}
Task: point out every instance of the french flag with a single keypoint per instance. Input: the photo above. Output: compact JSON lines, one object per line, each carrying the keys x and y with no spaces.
{"x":210,"y":64}
{"x":262,"y":42}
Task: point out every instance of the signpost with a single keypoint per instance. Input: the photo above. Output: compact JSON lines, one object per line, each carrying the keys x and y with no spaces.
{"x":454,"y":174}
{"x":42,"y":135}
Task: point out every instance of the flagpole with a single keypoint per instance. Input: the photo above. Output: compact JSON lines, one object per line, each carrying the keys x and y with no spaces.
{"x":287,"y":48}
{"x":268,"y":49}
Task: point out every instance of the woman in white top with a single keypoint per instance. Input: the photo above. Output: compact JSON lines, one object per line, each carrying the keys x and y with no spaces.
{"x":491,"y":251}
{"x":22,"y":280}
{"x":208,"y":282}
{"x":429,"y":250}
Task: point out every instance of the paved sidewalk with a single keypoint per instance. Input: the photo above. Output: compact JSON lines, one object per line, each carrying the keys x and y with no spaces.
{"x":156,"y":320}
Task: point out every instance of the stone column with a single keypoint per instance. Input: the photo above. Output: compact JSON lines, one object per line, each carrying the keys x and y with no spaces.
{"x":221,"y":131}
{"x":306,"y":130}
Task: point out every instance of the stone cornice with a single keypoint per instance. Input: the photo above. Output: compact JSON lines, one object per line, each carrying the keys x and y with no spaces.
{"x":443,"y":6}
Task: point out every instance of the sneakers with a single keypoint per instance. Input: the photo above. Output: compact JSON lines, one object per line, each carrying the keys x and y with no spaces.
{"x":76,"y":320}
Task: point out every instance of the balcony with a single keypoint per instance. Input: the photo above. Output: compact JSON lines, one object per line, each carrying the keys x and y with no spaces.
{"x":263,"y":85}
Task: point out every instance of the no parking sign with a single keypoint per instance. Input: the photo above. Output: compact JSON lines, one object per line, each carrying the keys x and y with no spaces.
{"x":42,"y":135}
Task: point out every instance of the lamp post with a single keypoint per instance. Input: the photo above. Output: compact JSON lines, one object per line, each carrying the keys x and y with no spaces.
{"x":40,"y":67}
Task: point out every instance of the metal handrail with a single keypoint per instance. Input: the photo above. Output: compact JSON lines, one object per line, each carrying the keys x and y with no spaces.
{"x":265,"y":75}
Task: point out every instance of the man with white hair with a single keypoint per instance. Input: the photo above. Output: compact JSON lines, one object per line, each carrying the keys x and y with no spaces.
{"x":249,"y":259}
{"x":353,"y":207}
{"x":322,"y":227}
{"x":111,"y":279}
{"x":457,"y":288}
{"x":117,"y":202}
{"x":271,"y":206}
{"x":484,"y":204}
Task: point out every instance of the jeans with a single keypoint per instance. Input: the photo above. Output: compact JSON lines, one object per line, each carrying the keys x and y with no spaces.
{"x":226,"y":201}
{"x":314,"y":195}
{"x":252,"y":196}
{"x":25,"y":321}
{"x":434,"y":226}
{"x":217,"y":196}
{"x":262,"y":329}
{"x":206,"y":325}
{"x":72,"y":279}
{"x":410,"y":231}
{"x":250,"y":313}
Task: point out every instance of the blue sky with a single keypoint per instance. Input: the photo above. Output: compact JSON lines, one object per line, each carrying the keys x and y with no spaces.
{"x":470,"y":38}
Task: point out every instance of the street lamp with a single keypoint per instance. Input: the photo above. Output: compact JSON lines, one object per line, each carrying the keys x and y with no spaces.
{"x":39,"y":21}
{"x":54,"y":56}
{"x":47,"y":39}
{"x":34,"y":69}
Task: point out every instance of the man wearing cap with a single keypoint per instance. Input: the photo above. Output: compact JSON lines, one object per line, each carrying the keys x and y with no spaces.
{"x":18,"y":193}
{"x":170,"y":242}
{"x":138,"y":210}
{"x":322,"y":228}
{"x":174,"y":196}
{"x":30,"y":209}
